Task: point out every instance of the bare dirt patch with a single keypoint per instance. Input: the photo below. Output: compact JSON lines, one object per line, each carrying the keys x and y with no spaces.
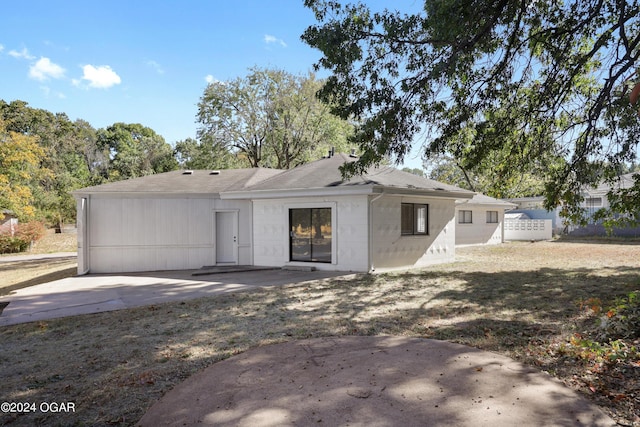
{"x":522,"y":300}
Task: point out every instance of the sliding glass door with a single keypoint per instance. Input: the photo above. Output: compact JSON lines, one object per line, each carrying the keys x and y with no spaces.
{"x":310,"y":234}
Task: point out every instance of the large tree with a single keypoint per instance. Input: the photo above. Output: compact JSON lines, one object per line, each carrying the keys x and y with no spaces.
{"x":135,"y":150}
{"x":269,"y":118}
{"x":66,"y":159}
{"x":523,"y":79}
{"x":19,"y":167}
{"x":205,"y":154}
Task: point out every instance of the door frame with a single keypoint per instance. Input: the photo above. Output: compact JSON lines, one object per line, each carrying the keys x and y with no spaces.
{"x":334,"y":231}
{"x":235,"y":227}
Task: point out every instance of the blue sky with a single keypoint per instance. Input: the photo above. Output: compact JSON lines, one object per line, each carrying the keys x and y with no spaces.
{"x":144,"y":62}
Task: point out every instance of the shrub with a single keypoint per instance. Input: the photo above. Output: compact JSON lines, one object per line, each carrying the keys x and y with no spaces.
{"x":24,"y":236}
{"x":622,"y":321}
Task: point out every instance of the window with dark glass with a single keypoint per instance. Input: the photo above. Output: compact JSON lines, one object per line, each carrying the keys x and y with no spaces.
{"x":310,"y":234}
{"x":465,"y":217}
{"x":492,"y":217}
{"x":414,"y":218}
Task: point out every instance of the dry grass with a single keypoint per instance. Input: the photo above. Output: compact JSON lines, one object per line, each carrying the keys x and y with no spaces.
{"x":516,"y":299}
{"x":20,"y":274}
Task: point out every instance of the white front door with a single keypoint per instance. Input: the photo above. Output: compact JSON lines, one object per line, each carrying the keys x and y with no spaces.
{"x":226,"y":237}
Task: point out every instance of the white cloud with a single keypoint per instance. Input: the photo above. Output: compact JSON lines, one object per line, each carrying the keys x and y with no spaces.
{"x":23,"y":54}
{"x":210,"y":79}
{"x":101,"y":77}
{"x":269,"y":39}
{"x":156,"y":66}
{"x":48,"y":93}
{"x":44,"y":69}
{"x":1,"y":48}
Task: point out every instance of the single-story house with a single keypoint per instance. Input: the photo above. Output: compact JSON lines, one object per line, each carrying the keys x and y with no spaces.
{"x":480,"y":220}
{"x":595,"y":198}
{"x":307,"y":216}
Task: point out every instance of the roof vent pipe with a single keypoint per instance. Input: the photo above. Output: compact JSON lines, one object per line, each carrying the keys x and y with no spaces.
{"x":214,"y":173}
{"x":353,"y":153}
{"x":187,"y":172}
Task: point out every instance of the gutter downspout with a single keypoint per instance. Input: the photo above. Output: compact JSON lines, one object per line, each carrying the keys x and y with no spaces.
{"x":372,"y":267}
{"x":83,"y":204}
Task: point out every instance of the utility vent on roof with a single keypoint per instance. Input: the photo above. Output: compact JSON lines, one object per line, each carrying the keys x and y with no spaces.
{"x":187,"y":172}
{"x":214,"y":173}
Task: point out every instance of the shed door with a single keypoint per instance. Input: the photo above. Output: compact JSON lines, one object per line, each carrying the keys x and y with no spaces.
{"x":226,"y":237}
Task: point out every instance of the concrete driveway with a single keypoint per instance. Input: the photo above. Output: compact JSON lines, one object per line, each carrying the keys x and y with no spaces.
{"x":95,"y":293}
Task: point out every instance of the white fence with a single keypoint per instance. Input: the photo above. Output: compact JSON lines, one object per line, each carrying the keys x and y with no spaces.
{"x":527,"y":229}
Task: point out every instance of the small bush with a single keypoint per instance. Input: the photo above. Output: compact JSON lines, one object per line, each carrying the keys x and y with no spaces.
{"x":622,"y":321}
{"x":24,"y":236}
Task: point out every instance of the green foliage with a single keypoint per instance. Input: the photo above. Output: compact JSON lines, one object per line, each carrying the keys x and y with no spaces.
{"x":19,"y":172}
{"x":622,"y":320}
{"x":66,"y":158}
{"x":269,"y":118}
{"x":598,"y":352}
{"x":415,"y":171}
{"x":205,"y":154}
{"x":134,"y":151}
{"x":540,"y":87}
{"x":45,"y":156}
{"x":609,"y":340}
{"x":487,"y":177}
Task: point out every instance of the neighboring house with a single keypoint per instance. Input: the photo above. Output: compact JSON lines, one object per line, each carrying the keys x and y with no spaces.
{"x":8,"y":222}
{"x":307,"y":216}
{"x":480,"y":220}
{"x":595,"y":198}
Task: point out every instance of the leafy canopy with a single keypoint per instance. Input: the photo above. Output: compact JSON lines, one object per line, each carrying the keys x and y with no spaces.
{"x":269,"y":118}
{"x":478,"y":79}
{"x":19,"y":167}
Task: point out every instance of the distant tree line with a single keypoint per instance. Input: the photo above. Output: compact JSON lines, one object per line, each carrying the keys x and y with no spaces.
{"x":269,"y":118}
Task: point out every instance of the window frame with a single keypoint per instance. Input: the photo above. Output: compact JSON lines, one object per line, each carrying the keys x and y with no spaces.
{"x":462,"y":216}
{"x":490,"y":215}
{"x":593,"y":202}
{"x":314,"y":214}
{"x":415,"y":218}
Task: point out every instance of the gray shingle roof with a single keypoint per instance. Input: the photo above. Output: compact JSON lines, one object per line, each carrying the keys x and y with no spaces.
{"x":481,"y":199}
{"x":198,"y":182}
{"x":624,"y":181}
{"x":325,"y":173}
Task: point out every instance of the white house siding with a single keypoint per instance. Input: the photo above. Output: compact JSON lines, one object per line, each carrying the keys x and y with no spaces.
{"x":479,"y":232}
{"x":392,"y":250}
{"x":349,"y":231}
{"x":150,"y":233}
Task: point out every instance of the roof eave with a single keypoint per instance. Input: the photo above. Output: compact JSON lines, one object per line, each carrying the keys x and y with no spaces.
{"x":80,"y":193}
{"x":425,"y":192}
{"x":296,"y":192}
{"x":344,"y":190}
